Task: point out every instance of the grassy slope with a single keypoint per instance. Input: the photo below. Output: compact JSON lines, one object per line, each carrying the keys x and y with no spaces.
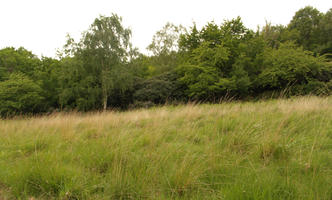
{"x":278,"y":149}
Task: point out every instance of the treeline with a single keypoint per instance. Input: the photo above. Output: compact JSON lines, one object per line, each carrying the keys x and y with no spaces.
{"x":103,"y":70}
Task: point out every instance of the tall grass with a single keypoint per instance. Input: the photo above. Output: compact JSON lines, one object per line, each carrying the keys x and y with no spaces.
{"x":276,"y":149}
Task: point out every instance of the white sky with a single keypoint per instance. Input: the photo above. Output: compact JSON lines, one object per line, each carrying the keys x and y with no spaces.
{"x":41,"y":25}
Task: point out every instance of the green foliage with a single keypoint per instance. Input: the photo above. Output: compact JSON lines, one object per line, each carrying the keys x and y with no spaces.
{"x":165,"y":41}
{"x":97,"y":68}
{"x":104,"y":49}
{"x":162,"y":63}
{"x":139,"y":66}
{"x":202,"y":74}
{"x":274,"y":35}
{"x":325,"y":36}
{"x":190,"y":41}
{"x":306,"y":22}
{"x":223,"y":63}
{"x":238,"y":84}
{"x":47,"y":75}
{"x":164,"y":48}
{"x":232,"y":60}
{"x":77,"y":86}
{"x":17,"y":60}
{"x":19,"y":95}
{"x":290,"y":66}
{"x":201,"y":81}
{"x":159,"y":89}
{"x":103,"y":70}
{"x":210,"y":55}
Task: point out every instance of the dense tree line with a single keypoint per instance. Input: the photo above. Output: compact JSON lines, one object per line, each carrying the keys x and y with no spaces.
{"x":103,"y":70}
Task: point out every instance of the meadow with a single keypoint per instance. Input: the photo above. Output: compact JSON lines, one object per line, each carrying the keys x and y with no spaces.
{"x":273,"y":149}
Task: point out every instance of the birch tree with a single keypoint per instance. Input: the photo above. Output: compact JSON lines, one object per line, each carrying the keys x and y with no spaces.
{"x":105,"y":48}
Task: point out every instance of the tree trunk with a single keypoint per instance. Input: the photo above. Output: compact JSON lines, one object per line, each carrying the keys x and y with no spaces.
{"x":105,"y":102}
{"x":104,"y":85}
{"x":104,"y":95}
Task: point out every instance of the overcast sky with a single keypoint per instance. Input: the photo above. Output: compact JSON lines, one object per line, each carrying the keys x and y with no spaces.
{"x":41,"y":25}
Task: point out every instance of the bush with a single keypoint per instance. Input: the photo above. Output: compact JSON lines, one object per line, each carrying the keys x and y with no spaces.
{"x":160,"y":89}
{"x":291,"y":66}
{"x":19,"y":94}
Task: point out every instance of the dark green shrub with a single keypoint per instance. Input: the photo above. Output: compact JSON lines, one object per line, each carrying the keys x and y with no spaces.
{"x":19,"y":94}
{"x":160,"y":89}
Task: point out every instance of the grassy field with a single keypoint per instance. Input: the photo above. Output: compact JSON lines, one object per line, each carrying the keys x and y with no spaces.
{"x":275,"y":149}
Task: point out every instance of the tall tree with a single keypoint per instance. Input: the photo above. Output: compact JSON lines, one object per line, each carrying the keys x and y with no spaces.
{"x":165,"y":40}
{"x":306,"y":22}
{"x":274,"y":35}
{"x":164,"y":48}
{"x":325,"y":34}
{"x":104,"y":48}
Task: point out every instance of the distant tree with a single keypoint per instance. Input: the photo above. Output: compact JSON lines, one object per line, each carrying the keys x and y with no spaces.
{"x":274,"y":35}
{"x":165,"y":41}
{"x":306,"y":22}
{"x":325,"y":34}
{"x":164,"y":48}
